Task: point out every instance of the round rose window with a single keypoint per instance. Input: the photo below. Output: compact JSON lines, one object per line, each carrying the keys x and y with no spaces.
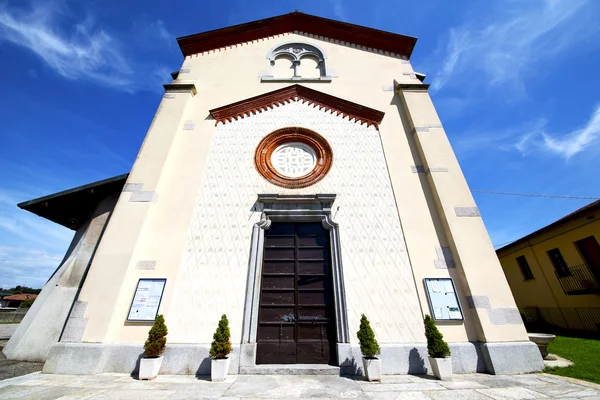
{"x":293,"y":157}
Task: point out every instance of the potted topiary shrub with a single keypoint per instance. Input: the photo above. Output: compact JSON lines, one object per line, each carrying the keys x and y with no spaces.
{"x":370,"y":349}
{"x":219,"y":351}
{"x":154,"y":347}
{"x":439,"y":352}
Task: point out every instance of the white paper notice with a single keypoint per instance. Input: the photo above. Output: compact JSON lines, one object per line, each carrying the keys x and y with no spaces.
{"x":454,"y":313}
{"x":146,"y":300}
{"x":438,"y":313}
{"x":448,"y":288}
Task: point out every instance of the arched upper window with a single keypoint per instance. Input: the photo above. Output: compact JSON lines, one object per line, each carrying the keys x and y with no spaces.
{"x":296,"y":61}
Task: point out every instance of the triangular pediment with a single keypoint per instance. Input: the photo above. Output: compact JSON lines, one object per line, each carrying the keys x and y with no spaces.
{"x":279,"y":97}
{"x":394,"y":43}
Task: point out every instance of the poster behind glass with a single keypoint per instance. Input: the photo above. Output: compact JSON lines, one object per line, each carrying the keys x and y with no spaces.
{"x":146,"y":300}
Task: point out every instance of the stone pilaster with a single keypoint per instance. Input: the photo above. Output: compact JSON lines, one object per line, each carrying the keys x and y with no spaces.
{"x":102,"y":289}
{"x":498,"y":319}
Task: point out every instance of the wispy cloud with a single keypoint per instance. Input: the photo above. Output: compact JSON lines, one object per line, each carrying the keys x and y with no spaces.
{"x":338,"y":9}
{"x":80,"y":51}
{"x":503,"y":47}
{"x":565,"y":145}
{"x":26,"y":266}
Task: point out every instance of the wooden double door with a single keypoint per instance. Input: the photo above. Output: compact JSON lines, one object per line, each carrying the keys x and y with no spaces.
{"x":296,"y":321}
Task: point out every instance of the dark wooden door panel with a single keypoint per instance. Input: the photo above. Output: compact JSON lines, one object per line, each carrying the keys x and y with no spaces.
{"x":295,"y":320}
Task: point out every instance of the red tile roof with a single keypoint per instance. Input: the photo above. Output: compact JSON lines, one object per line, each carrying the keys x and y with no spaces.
{"x":297,"y":21}
{"x":20,"y":297}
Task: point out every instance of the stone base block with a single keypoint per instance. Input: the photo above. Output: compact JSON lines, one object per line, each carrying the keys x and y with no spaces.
{"x":467,"y":358}
{"x":512,"y":358}
{"x":94,"y":358}
{"x":193,"y":359}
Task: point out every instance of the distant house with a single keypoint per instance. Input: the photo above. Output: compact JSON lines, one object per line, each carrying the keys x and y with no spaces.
{"x":554,"y":273}
{"x":14,"y":301}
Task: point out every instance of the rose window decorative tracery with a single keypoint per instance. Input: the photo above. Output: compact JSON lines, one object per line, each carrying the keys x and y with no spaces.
{"x":293,"y":157}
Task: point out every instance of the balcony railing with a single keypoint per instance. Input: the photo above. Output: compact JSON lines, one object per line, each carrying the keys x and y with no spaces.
{"x":578,"y":280}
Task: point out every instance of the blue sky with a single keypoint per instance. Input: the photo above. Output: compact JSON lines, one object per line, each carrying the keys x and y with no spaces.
{"x":515,"y":83}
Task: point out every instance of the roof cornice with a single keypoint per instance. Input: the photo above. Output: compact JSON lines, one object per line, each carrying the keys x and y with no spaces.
{"x":278,"y":97}
{"x":327,"y":28}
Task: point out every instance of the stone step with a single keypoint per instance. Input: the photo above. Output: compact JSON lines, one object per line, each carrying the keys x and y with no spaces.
{"x":290,"y":369}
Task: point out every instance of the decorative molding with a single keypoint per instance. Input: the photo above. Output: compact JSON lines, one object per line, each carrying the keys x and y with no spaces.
{"x":142,"y":197}
{"x":437,"y":169}
{"x":411,"y":86}
{"x":264,"y":150}
{"x":303,"y":23}
{"x":445,"y":259}
{"x":505,"y":316}
{"x":479,"y":302}
{"x":467,"y":212}
{"x":180,"y":88}
{"x":132,"y":187}
{"x":189,"y":126}
{"x":269,"y":78}
{"x":275,"y":98}
{"x":145,"y":264}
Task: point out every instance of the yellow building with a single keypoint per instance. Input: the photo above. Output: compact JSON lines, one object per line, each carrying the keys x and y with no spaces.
{"x":554,"y":273}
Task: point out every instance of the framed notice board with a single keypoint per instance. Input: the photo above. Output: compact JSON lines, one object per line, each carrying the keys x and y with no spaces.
{"x":146,"y":300}
{"x":443,"y":301}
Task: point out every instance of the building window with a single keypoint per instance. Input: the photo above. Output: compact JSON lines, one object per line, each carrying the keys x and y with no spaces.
{"x":296,"y":61}
{"x":560,"y":266}
{"x":525,"y":270}
{"x":293,"y":157}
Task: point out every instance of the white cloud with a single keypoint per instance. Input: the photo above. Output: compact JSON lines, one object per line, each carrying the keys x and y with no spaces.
{"x":79,"y":51}
{"x":30,"y":247}
{"x":26,"y":266}
{"x":338,"y":9}
{"x":565,"y":145}
{"x":517,"y":35}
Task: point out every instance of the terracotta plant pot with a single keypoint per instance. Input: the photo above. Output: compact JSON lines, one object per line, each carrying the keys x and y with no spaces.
{"x":441,"y":368}
{"x":149,"y":368}
{"x":372,"y":368}
{"x":219,"y":367}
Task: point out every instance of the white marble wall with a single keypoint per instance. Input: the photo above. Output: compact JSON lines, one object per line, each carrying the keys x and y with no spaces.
{"x":378,"y":277}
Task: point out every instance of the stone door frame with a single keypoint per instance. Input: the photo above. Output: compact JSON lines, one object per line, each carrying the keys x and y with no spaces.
{"x":291,"y":208}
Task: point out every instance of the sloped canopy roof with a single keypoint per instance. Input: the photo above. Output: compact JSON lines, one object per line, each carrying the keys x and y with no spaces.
{"x":297,"y":21}
{"x":281,"y":96}
{"x":71,"y":208}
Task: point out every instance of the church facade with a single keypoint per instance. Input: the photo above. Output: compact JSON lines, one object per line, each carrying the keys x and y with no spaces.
{"x":295,"y":176}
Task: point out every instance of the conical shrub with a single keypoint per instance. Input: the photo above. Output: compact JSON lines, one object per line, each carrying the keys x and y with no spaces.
{"x":436,"y":345}
{"x":157,"y":338}
{"x":221,"y":344}
{"x":368,"y":344}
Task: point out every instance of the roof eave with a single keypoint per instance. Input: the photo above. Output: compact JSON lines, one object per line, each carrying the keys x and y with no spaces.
{"x":360,"y":35}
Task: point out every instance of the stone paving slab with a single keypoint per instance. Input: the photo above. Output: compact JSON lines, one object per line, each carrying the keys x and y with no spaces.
{"x":239,"y":387}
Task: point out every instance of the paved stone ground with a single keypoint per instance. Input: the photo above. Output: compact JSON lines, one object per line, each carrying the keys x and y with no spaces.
{"x":10,"y":369}
{"x":6,"y":330}
{"x":467,"y":387}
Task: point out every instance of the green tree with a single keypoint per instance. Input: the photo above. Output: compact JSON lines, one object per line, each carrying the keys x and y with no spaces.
{"x":27,"y":303}
{"x":221,"y":344}
{"x":157,"y":338}
{"x":436,"y":345}
{"x":368,"y":344}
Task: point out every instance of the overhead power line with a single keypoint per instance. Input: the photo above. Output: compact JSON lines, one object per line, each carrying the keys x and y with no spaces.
{"x":536,"y":195}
